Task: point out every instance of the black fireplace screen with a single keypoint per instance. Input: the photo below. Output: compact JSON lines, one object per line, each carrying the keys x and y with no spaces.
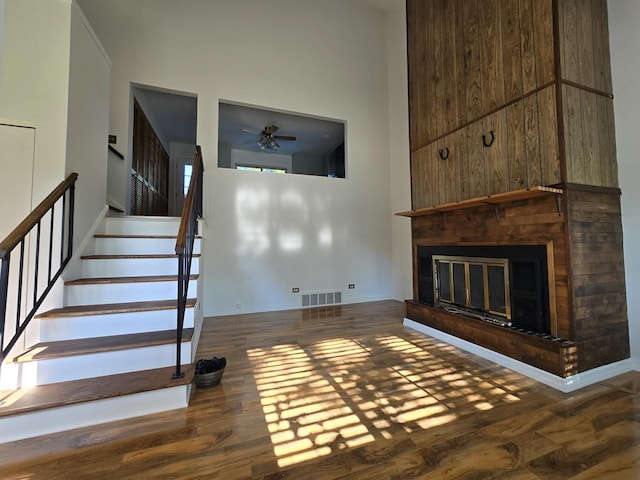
{"x":506,"y":284}
{"x":480,"y":284}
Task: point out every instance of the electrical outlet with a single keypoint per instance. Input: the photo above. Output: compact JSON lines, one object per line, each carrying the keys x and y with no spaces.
{"x":112,"y":139}
{"x":295,"y":290}
{"x":352,"y":286}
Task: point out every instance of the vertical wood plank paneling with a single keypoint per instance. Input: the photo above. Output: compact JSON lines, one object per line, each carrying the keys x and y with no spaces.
{"x":527,"y":46}
{"x":449,"y":78}
{"x":462,"y":164}
{"x":601,"y":42}
{"x":497,"y":164}
{"x":574,"y":135}
{"x":437,"y":93}
{"x":511,"y":49}
{"x":441,"y":170}
{"x":431,"y":97}
{"x":472,"y":60}
{"x":492,"y":68}
{"x":416,"y":76}
{"x":585,"y":45}
{"x":459,"y":59}
{"x":591,"y":127}
{"x":532,"y":140}
{"x":420,"y":196}
{"x":569,"y":42}
{"x":548,"y":128}
{"x":543,"y":40}
{"x":453,"y":167}
{"x":477,"y":169}
{"x":516,"y":153}
{"x":608,"y":129}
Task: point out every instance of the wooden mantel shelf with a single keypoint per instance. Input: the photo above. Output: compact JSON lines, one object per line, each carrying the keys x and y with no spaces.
{"x":524,"y":194}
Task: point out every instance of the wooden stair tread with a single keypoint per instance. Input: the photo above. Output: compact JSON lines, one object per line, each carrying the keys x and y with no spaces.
{"x":110,"y":308}
{"x":120,"y":235}
{"x":130,"y":256}
{"x":41,"y":397}
{"x":140,"y":279}
{"x":85,"y":346}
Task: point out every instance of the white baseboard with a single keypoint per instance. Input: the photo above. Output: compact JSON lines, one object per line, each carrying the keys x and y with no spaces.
{"x":566,"y":385}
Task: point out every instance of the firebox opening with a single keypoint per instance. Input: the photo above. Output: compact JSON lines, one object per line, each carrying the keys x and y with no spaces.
{"x":506,"y":285}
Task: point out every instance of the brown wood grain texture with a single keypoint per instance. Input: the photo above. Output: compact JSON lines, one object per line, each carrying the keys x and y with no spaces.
{"x":477,"y":166}
{"x":495,"y":155}
{"x":599,"y":278}
{"x":441,"y":72}
{"x":459,"y":63}
{"x":472,"y":60}
{"x":516,"y":147}
{"x":542,"y":11}
{"x":492,"y":64}
{"x":527,"y":46}
{"x":450,"y":78}
{"x":534,"y":221}
{"x":601,"y":45}
{"x":385,"y":403}
{"x":574,"y":135}
{"x":511,"y":33}
{"x":531,"y":134}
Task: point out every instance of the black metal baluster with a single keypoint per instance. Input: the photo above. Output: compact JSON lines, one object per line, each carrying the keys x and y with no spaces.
{"x":20,"y":277}
{"x":51,"y":225}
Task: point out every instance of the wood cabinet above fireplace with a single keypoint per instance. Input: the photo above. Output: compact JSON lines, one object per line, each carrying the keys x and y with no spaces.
{"x":506,"y":95}
{"x":512,"y":143}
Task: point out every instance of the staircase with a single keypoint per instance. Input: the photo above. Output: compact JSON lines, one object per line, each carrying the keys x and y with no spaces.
{"x":110,"y":352}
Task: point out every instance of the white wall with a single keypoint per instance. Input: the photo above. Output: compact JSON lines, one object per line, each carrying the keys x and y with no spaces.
{"x":87,"y":123}
{"x":624,"y":18}
{"x":399,"y":164}
{"x":34,"y":80}
{"x":268,"y":233}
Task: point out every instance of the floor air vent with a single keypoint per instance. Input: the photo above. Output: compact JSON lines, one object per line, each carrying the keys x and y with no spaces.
{"x":320,"y":299}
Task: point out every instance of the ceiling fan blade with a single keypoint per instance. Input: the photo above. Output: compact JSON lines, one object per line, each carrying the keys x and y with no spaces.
{"x":285,"y":137}
{"x":249,"y":131}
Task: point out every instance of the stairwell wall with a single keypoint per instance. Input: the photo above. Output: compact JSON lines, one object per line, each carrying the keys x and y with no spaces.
{"x":266,"y":233}
{"x":55,"y":77}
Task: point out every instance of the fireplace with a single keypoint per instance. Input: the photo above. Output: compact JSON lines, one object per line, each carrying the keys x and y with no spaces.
{"x":504,"y":285}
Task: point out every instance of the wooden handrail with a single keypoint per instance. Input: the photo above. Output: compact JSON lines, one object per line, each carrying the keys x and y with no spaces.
{"x":34,"y":217}
{"x":191,"y":209}
{"x":38,"y":281}
{"x":185,"y":218}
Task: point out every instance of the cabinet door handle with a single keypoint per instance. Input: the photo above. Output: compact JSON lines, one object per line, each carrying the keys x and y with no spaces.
{"x":444,"y":153}
{"x":490,"y":142}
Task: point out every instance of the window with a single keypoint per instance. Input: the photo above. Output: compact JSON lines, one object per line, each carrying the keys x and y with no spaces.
{"x":248,"y":168}
{"x":186,"y":178}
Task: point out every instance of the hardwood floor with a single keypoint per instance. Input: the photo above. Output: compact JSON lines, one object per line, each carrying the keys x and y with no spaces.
{"x":347,"y":392}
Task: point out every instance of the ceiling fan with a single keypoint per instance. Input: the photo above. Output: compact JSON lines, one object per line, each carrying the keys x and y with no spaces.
{"x":267,"y":139}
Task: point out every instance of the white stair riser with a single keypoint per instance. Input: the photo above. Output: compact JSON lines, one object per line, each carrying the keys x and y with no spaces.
{"x":69,"y":328}
{"x":129,"y":267}
{"x":142,"y":226}
{"x":134,"y":246}
{"x":19,"y":427}
{"x":95,"y":294}
{"x":63,"y":369}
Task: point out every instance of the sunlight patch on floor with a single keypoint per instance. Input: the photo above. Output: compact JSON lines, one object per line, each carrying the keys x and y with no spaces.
{"x":331,"y":395}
